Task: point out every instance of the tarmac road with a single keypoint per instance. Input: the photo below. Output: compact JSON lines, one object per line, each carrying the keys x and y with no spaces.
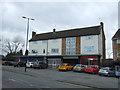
{"x":13,"y":77}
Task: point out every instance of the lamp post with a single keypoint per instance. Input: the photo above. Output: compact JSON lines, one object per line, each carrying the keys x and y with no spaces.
{"x":26,"y":51}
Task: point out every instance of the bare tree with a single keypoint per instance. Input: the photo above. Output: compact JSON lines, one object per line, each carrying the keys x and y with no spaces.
{"x":109,"y":53}
{"x":12,"y":46}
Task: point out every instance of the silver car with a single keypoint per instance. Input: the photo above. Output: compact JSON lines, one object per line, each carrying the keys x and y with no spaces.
{"x":107,"y":71}
{"x":79,"y":67}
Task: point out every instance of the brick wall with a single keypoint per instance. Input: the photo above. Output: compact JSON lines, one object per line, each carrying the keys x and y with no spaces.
{"x":116,"y":48}
{"x":63,"y":46}
{"x":78,"y":45}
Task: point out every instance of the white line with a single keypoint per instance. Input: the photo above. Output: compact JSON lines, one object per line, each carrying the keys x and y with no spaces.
{"x":12,"y":80}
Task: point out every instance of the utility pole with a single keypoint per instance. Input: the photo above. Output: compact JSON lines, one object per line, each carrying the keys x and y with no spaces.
{"x":26,"y":51}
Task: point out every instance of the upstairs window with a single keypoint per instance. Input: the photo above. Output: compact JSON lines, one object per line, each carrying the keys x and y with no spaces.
{"x":89,"y":48}
{"x":119,"y":54}
{"x":55,"y":50}
{"x":118,"y":41}
{"x":43,"y":50}
{"x":34,"y":51}
{"x":71,"y":46}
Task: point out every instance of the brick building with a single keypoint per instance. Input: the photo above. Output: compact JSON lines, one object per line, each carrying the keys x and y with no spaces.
{"x":116,"y":45}
{"x":79,"y":45}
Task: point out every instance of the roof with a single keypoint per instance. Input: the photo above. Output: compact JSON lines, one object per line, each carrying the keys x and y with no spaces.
{"x":117,"y":35}
{"x":95,"y":30}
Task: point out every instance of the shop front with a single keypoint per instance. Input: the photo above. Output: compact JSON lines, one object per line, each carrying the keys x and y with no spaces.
{"x":71,"y":60}
{"x":89,"y":60}
{"x":31,"y":58}
{"x":54,"y":62}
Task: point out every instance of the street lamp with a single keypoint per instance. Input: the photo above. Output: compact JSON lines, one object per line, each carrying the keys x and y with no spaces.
{"x":26,"y":51}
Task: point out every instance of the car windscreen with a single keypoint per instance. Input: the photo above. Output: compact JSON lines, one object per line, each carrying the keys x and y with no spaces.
{"x":104,"y":68}
{"x":78,"y":65}
{"x":62,"y":65}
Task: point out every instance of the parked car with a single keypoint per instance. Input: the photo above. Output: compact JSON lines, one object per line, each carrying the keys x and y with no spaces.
{"x":65,"y":67}
{"x":117,"y":71}
{"x":9,"y":63}
{"x":107,"y":71}
{"x":39,"y":65}
{"x":92,"y":69}
{"x":29,"y":64}
{"x":19,"y":64}
{"x":79,"y":67}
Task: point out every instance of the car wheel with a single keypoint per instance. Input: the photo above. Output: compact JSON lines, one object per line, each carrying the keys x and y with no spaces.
{"x":34,"y":68}
{"x":108,"y":75}
{"x":99,"y":74}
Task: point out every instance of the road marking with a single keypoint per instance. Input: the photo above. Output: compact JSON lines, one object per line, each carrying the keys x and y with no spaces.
{"x":12,"y":80}
{"x":87,"y":86}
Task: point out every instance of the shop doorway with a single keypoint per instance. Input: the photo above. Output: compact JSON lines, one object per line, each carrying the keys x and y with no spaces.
{"x":54,"y":62}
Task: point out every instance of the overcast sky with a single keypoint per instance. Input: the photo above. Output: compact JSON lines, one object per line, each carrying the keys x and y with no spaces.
{"x":59,"y":15}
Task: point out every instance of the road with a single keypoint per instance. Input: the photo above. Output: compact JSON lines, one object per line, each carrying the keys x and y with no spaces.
{"x":13,"y":77}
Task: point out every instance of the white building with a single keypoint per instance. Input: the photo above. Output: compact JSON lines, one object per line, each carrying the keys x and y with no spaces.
{"x":79,"y":45}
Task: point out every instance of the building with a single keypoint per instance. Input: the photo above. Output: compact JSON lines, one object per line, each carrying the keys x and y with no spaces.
{"x":79,"y":45}
{"x":116,"y":45}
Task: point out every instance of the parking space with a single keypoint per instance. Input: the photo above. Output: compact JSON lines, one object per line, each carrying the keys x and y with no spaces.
{"x":53,"y":74}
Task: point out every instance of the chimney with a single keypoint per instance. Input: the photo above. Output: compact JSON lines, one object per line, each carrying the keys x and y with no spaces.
{"x":33,"y":34}
{"x":54,"y":30}
{"x":102,"y":25}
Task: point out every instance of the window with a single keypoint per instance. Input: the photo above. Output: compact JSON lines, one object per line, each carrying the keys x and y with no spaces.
{"x":89,"y":48}
{"x":119,"y":54}
{"x":71,"y":46}
{"x":118,"y":41}
{"x":54,"y":50}
{"x":34,"y":51}
{"x":43,"y":50}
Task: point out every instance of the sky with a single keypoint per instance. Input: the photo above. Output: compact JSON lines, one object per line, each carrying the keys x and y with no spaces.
{"x":58,"y":15}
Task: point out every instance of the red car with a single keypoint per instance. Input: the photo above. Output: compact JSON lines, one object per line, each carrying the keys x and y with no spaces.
{"x":91,"y":69}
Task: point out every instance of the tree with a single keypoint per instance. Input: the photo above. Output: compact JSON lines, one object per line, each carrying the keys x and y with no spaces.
{"x":12,"y":46}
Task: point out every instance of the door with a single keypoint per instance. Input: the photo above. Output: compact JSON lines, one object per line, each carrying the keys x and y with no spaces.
{"x":54,"y":63}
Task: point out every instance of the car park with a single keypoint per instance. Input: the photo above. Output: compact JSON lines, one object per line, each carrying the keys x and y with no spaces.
{"x":79,"y":67}
{"x":19,"y":64}
{"x":107,"y":71}
{"x":65,"y":67}
{"x":29,"y":64}
{"x":39,"y":65}
{"x":92,"y":69}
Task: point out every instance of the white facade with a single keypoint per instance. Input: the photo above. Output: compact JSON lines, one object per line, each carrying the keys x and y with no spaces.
{"x":53,"y":47}
{"x":90,"y":44}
